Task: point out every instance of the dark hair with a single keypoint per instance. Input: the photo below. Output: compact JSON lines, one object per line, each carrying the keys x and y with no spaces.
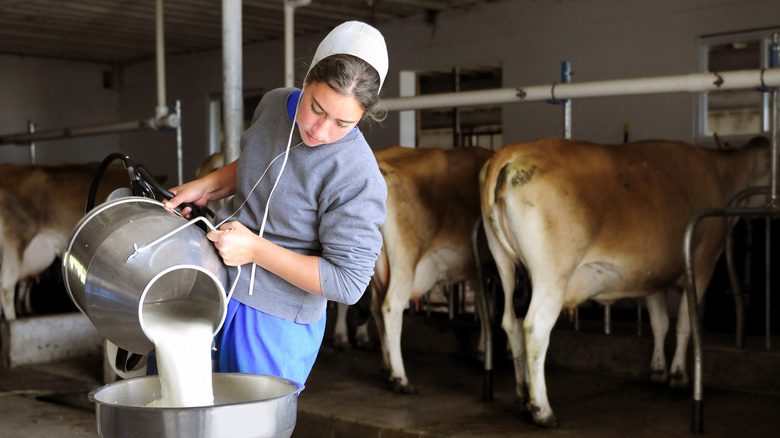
{"x":350,"y":75}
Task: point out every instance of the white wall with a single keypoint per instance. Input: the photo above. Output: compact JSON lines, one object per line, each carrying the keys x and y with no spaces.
{"x":603,"y":39}
{"x":55,"y":94}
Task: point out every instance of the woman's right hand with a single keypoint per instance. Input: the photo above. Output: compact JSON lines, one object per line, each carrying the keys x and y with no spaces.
{"x":194,"y":192}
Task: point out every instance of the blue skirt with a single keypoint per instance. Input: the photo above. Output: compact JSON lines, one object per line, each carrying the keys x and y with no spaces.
{"x":255,"y":342}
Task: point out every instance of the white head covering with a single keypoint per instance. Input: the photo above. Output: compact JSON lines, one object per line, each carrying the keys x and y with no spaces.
{"x":357,"y":39}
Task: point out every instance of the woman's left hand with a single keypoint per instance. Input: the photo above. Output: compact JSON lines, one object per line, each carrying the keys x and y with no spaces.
{"x":237,"y":244}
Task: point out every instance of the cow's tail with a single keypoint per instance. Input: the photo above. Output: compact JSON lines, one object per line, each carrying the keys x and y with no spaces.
{"x":492,"y":180}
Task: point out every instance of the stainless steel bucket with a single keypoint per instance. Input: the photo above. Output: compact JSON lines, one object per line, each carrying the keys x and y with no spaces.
{"x":245,"y":405}
{"x":112,"y":272}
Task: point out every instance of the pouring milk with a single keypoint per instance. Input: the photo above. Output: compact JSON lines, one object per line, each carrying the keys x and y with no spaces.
{"x":182,"y":331}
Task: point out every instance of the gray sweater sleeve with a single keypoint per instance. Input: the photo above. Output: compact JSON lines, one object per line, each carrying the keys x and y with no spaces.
{"x":349,"y":233}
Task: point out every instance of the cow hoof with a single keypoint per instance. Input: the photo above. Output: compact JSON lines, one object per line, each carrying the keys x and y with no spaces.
{"x":678,"y":381}
{"x":341,"y":343}
{"x":546,"y":422}
{"x":365,"y":344}
{"x":659,"y":376}
{"x":399,"y":388}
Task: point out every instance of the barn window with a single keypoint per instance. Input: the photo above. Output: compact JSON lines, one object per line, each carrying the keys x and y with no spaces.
{"x":452,"y":127}
{"x":734,"y":112}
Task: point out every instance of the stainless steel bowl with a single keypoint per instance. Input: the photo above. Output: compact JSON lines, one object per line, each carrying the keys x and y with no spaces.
{"x":245,"y":405}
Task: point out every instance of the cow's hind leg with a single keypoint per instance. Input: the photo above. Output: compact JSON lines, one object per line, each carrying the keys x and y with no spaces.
{"x":340,"y":336}
{"x":542,"y":314}
{"x":395,"y":302}
{"x":678,"y":372}
{"x":10,"y":266}
{"x":659,"y":322}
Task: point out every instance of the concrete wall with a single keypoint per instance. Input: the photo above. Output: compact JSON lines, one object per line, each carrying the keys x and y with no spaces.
{"x":55,"y":94}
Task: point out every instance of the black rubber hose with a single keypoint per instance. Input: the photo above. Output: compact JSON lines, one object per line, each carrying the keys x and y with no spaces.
{"x":196,"y":210}
{"x":101,"y":170}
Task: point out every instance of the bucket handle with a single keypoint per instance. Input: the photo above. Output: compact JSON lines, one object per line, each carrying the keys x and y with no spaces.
{"x":138,"y":250}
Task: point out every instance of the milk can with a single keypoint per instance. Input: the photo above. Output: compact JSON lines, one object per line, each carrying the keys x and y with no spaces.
{"x":130,"y":255}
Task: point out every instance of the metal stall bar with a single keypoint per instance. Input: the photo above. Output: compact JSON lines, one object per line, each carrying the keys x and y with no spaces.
{"x":691,"y":294}
{"x":232,"y":80}
{"x":289,"y":44}
{"x":691,"y":83}
{"x":736,"y":288}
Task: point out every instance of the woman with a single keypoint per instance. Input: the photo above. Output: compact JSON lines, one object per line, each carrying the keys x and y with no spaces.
{"x":317,"y":237}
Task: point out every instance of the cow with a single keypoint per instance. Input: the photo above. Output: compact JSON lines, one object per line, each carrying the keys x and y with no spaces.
{"x":603,"y":222}
{"x":432,"y":207}
{"x":39,"y":206}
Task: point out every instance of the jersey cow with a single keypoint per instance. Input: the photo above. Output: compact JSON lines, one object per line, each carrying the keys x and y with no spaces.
{"x":432,"y":207}
{"x":39,"y":206}
{"x":591,"y":221}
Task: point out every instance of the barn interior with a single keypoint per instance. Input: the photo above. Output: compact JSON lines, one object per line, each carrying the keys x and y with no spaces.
{"x":170,"y":83}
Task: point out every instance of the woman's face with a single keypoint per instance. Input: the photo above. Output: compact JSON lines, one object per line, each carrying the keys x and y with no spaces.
{"x":324,"y":115}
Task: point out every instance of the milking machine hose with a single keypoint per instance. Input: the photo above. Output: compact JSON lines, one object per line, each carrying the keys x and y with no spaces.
{"x":142,"y":183}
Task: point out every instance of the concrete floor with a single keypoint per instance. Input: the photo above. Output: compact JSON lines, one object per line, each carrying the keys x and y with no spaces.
{"x":346,"y":397}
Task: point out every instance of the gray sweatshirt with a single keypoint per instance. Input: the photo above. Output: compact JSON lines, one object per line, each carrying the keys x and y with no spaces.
{"x":330,"y":202}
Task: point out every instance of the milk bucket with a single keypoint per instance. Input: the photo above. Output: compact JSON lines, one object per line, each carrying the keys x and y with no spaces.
{"x":245,"y":406}
{"x":119,"y":264}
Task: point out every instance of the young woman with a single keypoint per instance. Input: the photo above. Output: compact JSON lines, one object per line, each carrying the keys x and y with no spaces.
{"x":310,"y":234}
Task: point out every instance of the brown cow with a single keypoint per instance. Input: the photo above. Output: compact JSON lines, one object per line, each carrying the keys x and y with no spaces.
{"x":432,"y":207}
{"x":39,"y":206}
{"x":603,"y":222}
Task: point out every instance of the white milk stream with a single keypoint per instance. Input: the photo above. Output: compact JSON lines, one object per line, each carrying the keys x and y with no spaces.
{"x":182,"y":333}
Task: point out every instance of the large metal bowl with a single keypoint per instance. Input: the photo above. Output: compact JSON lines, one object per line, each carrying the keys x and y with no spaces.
{"x":245,"y":405}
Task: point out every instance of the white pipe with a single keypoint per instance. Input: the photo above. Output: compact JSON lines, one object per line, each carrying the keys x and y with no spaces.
{"x":162,"y":105}
{"x":692,"y":83}
{"x":289,"y":43}
{"x":233,"y":101}
{"x":179,"y":146}
{"x":170,"y":121}
{"x":31,"y":129}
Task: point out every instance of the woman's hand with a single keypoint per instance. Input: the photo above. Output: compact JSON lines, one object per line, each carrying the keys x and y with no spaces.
{"x":212,"y":187}
{"x":193,"y":192}
{"x":237,"y":245}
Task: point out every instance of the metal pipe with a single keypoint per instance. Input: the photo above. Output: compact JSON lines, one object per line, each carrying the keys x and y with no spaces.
{"x":774,"y":62}
{"x":170,"y":121}
{"x":162,"y":105}
{"x":31,"y":129}
{"x":767,"y":284}
{"x":289,"y":37}
{"x":565,"y":79}
{"x":736,"y":287}
{"x":233,"y":102}
{"x":692,"y":295}
{"x":483,"y":309}
{"x":179,"y":146}
{"x":693,"y":82}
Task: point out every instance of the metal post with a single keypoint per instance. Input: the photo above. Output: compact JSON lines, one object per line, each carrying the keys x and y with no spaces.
{"x":162,"y":105}
{"x":565,"y":79}
{"x":179,"y":148}
{"x":31,"y":130}
{"x":456,"y":131}
{"x":233,"y":102}
{"x":289,"y":39}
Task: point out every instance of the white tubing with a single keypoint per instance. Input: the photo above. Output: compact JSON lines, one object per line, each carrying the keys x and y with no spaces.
{"x":232,"y":99}
{"x":692,"y":83}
